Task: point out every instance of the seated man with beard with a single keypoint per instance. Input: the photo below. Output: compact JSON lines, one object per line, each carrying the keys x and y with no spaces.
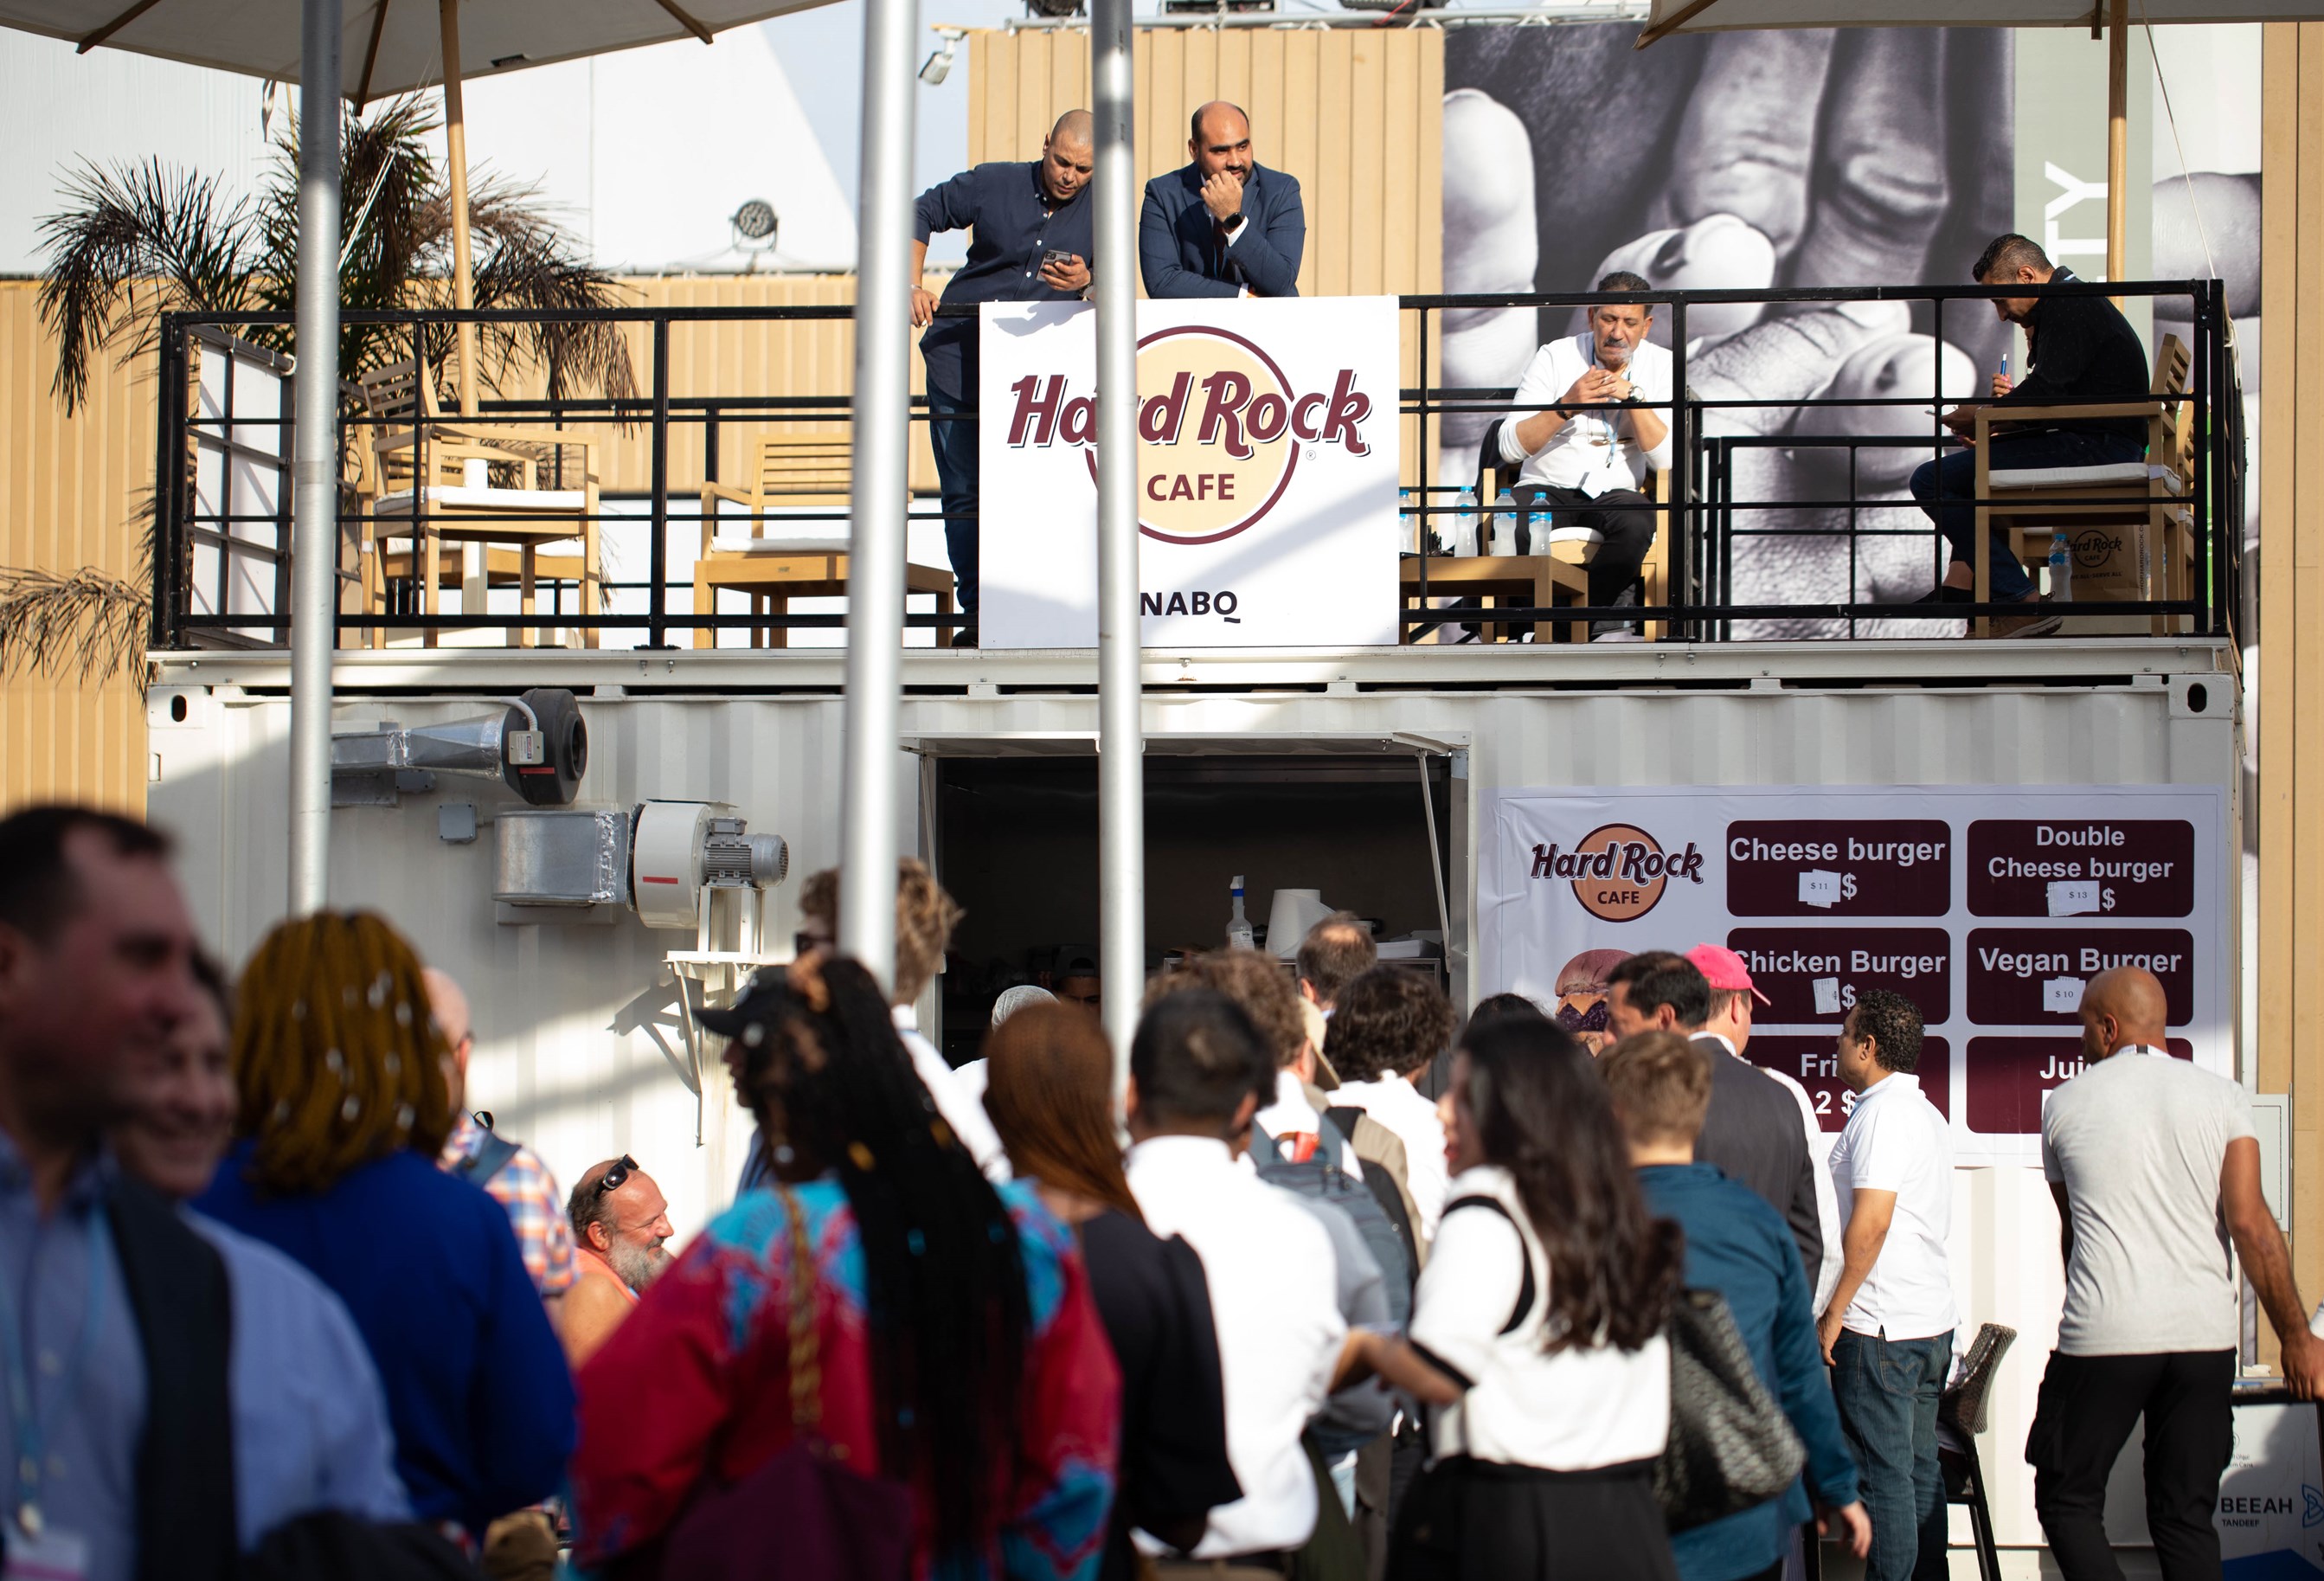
{"x":621,"y":1223}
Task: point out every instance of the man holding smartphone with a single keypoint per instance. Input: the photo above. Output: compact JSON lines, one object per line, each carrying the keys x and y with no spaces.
{"x":1028,"y":229}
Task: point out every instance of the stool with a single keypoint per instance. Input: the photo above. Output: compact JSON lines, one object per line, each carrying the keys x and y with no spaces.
{"x":1961,"y":1414}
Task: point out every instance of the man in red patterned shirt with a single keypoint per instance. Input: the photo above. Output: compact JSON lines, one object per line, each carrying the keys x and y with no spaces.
{"x":510,"y":1173}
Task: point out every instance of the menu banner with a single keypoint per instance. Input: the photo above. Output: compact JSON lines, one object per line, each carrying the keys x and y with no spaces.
{"x":1815,"y":1064}
{"x":1990,"y":908}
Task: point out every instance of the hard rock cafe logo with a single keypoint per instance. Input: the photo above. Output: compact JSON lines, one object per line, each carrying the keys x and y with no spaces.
{"x":1218,"y":440}
{"x":1618,"y":871}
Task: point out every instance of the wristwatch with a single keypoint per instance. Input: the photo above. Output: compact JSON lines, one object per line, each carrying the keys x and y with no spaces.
{"x":1233,"y":223}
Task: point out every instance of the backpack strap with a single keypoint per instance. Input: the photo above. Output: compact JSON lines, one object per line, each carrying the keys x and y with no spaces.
{"x":1334,"y":1146}
{"x":181,"y":1298}
{"x":1518,"y":1313}
{"x":491,"y":1157}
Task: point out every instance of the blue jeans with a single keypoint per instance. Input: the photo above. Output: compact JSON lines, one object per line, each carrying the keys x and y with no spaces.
{"x":1946,"y":487}
{"x":1886,"y":1390}
{"x":955,"y":443}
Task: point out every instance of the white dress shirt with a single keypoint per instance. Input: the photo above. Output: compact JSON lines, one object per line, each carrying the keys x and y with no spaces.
{"x":1595,"y":451}
{"x":1274,"y":1285}
{"x":1827,"y":1278}
{"x":963,"y":1110}
{"x":1895,"y":1141}
{"x":1396,"y":1103}
{"x":1574,"y":1409}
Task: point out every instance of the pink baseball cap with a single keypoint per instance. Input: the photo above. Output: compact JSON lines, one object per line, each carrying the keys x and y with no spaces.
{"x":1723,"y":968}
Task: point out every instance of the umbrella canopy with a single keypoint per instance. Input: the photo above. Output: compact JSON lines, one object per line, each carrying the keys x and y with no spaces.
{"x":392,"y":46}
{"x":1670,"y":16}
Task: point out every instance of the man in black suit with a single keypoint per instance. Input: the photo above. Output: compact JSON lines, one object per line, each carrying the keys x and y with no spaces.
{"x":1223,"y":226}
{"x":1753,"y":1129}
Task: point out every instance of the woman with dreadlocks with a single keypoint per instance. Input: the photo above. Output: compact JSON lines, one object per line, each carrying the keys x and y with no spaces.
{"x":340,"y":1072}
{"x":880,"y":1306}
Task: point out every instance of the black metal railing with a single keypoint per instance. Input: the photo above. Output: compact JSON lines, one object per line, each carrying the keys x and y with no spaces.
{"x":216,"y":507}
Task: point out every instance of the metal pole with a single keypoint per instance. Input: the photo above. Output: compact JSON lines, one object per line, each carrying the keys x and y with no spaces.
{"x":883,"y":426}
{"x":2118,"y":142}
{"x":1121,"y":744}
{"x":315,"y":462}
{"x":456,"y":156}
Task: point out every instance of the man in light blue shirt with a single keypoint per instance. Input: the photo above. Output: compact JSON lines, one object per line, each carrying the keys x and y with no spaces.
{"x":310,"y":1426}
{"x":112,"y":1315}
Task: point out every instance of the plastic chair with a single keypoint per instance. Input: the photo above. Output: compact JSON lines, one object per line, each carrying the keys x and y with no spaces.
{"x":1962,"y":1413}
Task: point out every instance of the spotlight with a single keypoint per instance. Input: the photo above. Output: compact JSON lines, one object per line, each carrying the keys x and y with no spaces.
{"x":939,"y":64}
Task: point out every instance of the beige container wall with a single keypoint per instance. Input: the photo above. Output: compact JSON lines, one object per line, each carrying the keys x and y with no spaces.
{"x":69,"y":489}
{"x":1355,"y":114}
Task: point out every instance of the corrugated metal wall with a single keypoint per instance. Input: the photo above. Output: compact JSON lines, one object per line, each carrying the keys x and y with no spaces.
{"x":69,"y":490}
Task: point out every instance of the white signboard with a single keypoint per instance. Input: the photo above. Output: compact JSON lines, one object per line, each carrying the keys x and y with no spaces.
{"x":1989,"y":907}
{"x":1266,"y":473}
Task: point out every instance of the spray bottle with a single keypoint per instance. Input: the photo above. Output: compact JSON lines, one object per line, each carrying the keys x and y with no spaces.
{"x":1237,"y":925}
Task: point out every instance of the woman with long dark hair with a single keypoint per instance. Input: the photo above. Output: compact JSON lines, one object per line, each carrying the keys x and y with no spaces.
{"x":1050,"y":1094}
{"x":956,"y":1352}
{"x":1541,"y":1315}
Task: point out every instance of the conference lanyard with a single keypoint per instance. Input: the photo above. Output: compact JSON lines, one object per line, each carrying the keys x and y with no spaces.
{"x":31,"y":1429}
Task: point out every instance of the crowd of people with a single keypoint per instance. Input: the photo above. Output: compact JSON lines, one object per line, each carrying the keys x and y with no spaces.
{"x":273,"y":1303}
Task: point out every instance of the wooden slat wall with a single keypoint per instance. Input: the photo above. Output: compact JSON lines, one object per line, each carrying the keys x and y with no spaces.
{"x":1356,"y":114}
{"x":68,"y":490}
{"x":2291,"y":702}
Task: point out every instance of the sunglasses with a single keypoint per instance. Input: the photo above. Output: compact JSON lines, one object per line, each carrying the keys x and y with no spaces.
{"x":614,"y":1179}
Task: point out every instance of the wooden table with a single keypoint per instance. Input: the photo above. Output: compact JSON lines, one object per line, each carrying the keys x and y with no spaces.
{"x":1505,"y":581}
{"x":773,"y":580}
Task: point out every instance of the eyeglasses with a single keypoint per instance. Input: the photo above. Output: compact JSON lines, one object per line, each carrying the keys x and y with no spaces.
{"x":614,"y":1179}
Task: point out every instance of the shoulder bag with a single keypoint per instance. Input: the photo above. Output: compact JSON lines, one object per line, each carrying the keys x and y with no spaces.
{"x":1730,"y":1446}
{"x":803,"y":1515}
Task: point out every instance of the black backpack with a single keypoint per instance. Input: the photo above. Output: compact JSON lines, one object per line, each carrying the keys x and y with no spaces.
{"x":1382,"y":1186}
{"x":1325,"y":1175}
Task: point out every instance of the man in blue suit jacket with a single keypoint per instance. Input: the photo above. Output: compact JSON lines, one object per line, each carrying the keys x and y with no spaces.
{"x":1222,"y":226}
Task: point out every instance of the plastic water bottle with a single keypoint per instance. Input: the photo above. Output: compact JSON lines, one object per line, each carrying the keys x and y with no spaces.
{"x":1238,"y":935}
{"x":2062,"y":571}
{"x":1464,"y":522}
{"x":1408,"y":526}
{"x":1504,"y":537}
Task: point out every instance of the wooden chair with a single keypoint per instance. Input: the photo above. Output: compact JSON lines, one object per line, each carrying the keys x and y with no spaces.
{"x":802,"y":476}
{"x":2148,"y":498}
{"x":1571,"y":545}
{"x":485,"y":484}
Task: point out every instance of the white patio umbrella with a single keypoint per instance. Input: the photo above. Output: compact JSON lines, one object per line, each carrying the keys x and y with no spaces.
{"x":406,"y":44}
{"x":1675,"y":16}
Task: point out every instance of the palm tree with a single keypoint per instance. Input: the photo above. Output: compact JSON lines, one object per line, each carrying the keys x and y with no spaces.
{"x":137,"y":241}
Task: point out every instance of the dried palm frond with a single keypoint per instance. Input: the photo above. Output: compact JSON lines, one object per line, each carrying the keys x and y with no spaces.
{"x":170,"y":233}
{"x":87,"y":621}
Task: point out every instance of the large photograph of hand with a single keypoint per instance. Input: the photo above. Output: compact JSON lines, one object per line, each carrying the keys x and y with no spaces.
{"x":1745,"y":159}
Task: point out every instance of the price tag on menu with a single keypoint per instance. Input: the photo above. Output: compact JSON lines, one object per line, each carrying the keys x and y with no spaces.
{"x":2062,"y":996}
{"x":1827,"y":995}
{"x":1819,"y":888}
{"x":2073,"y":898}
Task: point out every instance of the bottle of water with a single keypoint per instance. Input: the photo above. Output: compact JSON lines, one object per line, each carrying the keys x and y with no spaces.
{"x":2062,"y":571}
{"x":1504,"y":537}
{"x":1464,"y":522}
{"x":1408,"y":525}
{"x":1239,"y":936}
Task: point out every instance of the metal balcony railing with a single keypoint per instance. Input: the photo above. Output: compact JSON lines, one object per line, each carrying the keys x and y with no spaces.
{"x":1759,"y":481}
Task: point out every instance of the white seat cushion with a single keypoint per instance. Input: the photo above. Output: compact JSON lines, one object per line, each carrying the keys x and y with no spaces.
{"x":1589,"y":535}
{"x":743,"y":543}
{"x":543,"y":500}
{"x":2114,"y":474}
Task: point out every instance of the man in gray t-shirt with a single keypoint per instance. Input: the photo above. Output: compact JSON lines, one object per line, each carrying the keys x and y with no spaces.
{"x":2156,"y":1173}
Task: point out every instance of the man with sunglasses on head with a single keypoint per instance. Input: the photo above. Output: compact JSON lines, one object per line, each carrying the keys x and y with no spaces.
{"x":621,"y":1227}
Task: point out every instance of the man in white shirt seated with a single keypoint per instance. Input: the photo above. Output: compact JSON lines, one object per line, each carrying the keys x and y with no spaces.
{"x":1593,"y":414}
{"x":1197,"y":1069}
{"x":1389,"y":1025}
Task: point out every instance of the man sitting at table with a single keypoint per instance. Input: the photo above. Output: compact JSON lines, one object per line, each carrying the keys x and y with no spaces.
{"x":1029,"y":241}
{"x":1597,"y":416}
{"x":2080,"y":351}
{"x":1223,"y":226}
